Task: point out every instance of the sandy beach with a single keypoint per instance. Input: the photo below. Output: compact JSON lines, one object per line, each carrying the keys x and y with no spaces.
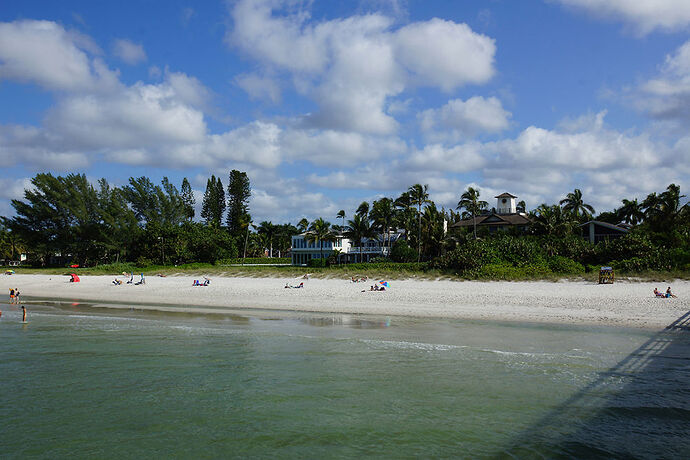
{"x":628,"y":304}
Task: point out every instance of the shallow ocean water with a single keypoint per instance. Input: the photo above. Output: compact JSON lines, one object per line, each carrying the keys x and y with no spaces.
{"x":83,"y":382}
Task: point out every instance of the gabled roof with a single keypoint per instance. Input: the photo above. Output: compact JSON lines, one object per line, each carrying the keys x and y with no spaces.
{"x":495,"y":219}
{"x":505,"y":195}
{"x":605,"y":225}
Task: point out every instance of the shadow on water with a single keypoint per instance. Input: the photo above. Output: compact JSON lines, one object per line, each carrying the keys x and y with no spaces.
{"x":640,"y":408}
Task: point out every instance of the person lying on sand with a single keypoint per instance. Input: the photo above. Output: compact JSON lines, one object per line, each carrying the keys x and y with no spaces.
{"x":301,"y":285}
{"x":117,"y":282}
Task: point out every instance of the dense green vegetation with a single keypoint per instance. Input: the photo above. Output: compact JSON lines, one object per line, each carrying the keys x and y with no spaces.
{"x":67,"y":220}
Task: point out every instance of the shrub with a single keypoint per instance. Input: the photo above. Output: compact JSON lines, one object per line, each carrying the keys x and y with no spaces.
{"x":506,"y":271}
{"x":402,"y":252}
{"x":317,"y":263}
{"x":143,"y":262}
{"x":564,"y":266}
{"x":255,"y":260}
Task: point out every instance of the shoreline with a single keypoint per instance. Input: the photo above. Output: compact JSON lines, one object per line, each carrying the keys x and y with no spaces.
{"x":625,"y":304}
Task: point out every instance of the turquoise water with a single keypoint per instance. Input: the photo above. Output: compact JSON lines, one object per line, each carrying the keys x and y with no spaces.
{"x":80,"y":382}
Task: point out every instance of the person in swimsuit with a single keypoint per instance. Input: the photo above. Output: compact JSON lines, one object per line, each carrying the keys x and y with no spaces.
{"x":23,"y":314}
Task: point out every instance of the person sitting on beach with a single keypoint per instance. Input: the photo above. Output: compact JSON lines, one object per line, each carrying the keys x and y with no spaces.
{"x":301,"y":285}
{"x":141,"y":281}
{"x":669,"y":293}
{"x":657,"y":293}
{"x":131,"y":278}
{"x":206,"y":281}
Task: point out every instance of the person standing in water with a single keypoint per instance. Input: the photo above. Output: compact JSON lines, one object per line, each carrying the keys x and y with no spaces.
{"x":23,"y":314}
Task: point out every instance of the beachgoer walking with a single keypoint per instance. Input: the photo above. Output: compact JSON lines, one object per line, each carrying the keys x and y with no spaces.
{"x":16,"y":295}
{"x":11,"y":295}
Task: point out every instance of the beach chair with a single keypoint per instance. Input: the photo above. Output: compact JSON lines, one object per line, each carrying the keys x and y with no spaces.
{"x":606,"y":275}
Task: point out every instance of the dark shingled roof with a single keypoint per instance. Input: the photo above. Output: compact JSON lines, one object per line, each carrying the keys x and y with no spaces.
{"x":495,"y":219}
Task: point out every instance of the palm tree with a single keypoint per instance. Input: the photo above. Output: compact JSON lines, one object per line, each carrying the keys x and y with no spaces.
{"x":357,"y":230}
{"x":341,"y":215}
{"x":419,"y":195}
{"x":302,"y":225}
{"x":382,"y":215}
{"x":574,"y":204}
{"x":363,"y":209}
{"x":631,"y":212}
{"x":269,"y":231}
{"x":470,"y":202}
{"x":521,"y":206}
{"x":552,"y":220}
{"x":320,"y":231}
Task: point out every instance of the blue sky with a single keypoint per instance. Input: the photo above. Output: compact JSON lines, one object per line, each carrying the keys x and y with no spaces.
{"x":329,"y":103}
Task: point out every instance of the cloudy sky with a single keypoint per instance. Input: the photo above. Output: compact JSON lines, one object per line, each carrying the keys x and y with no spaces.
{"x":329,"y":103}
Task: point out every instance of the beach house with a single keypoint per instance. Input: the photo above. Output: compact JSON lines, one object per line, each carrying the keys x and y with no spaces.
{"x":347,"y":251}
{"x":595,"y":231}
{"x":502,"y":217}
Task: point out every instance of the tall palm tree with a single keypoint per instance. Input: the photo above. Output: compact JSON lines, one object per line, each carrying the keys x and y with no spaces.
{"x":269,"y":231}
{"x":363,"y":209}
{"x":357,"y":230}
{"x":470,"y":202}
{"x":631,"y":212}
{"x":341,"y":215}
{"x":302,"y":225}
{"x":382,"y":215}
{"x":419,"y":196}
{"x":574,"y":204}
{"x":320,"y":231}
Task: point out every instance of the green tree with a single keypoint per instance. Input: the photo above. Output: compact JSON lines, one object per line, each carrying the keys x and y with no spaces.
{"x":631,"y":212}
{"x":552,"y":220}
{"x":239,"y":191}
{"x":470,"y":202}
{"x":419,"y":195}
{"x":268,"y":230}
{"x":188,"y":200}
{"x":363,"y":209}
{"x":320,"y":231}
{"x":575,"y":205}
{"x":341,"y":215}
{"x":303,"y":225}
{"x":213,"y":204}
{"x":358,"y":229}
{"x":382,"y":216}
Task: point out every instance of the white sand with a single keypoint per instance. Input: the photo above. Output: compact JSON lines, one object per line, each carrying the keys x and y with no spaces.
{"x":629,"y":304}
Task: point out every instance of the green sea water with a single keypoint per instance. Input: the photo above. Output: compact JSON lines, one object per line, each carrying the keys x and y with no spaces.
{"x":81,"y":382}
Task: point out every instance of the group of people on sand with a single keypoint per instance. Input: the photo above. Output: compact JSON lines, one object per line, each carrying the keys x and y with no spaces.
{"x":668,"y":294}
{"x":118,"y":282}
{"x":375,"y":287}
{"x":206,"y":282}
{"x":359,"y":279}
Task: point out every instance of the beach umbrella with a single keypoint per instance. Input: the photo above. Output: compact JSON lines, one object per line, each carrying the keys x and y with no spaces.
{"x":384,"y":283}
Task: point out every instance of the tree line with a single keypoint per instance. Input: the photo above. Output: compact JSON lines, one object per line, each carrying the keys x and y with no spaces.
{"x":146,"y":223}
{"x":658,"y":239}
{"x":66,"y":218}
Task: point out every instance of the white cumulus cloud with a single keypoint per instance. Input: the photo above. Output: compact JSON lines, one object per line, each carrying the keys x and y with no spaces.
{"x":644,"y":16}
{"x":460,"y":119}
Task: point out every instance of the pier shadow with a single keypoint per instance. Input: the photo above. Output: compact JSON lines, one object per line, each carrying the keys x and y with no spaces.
{"x":640,"y":408}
